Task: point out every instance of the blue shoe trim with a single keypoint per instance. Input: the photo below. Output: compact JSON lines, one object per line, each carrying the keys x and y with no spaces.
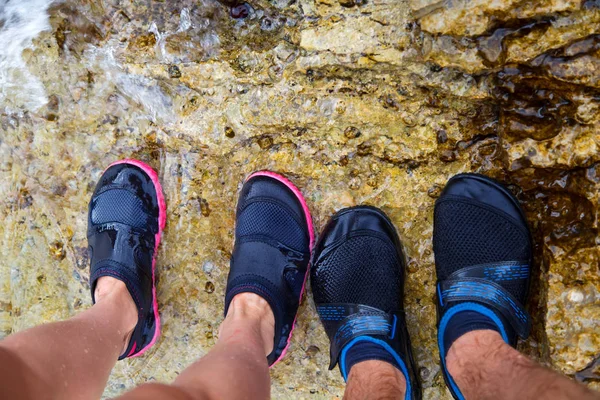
{"x":393,"y":335}
{"x":442,"y":328}
{"x":457,"y":290}
{"x":488,"y":293}
{"x":386,"y":347}
{"x":500,"y":273}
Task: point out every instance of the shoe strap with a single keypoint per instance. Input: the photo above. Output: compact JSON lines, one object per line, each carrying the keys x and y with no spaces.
{"x":482,"y":284}
{"x":250,"y":256}
{"x":123,"y":252}
{"x":114,"y":247}
{"x":344,"y":322}
{"x":498,"y":272}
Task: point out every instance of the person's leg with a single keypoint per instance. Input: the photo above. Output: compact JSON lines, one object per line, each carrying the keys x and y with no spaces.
{"x":269,"y":264}
{"x":485,"y":367}
{"x":235,"y":368}
{"x":70,"y":359}
{"x":375,"y":380}
{"x":483,"y":255}
{"x":357,"y":281}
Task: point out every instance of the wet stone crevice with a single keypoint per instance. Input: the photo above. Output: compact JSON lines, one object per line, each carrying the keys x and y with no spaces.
{"x":358,"y":102}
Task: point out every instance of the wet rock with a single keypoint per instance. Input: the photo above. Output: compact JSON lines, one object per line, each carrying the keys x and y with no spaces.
{"x":388,"y":101}
{"x":569,"y":313}
{"x":208,"y":267}
{"x":373,"y":180}
{"x":412,"y":266}
{"x":473,"y":18}
{"x":174,"y":71}
{"x":204,"y":207}
{"x":441,"y":136}
{"x":351,"y":132}
{"x":53,"y":108}
{"x":508,"y":89}
{"x":435,"y":191}
{"x":241,"y":11}
{"x":363,"y":149}
{"x":24,"y":199}
{"x":265,"y":142}
{"x":297,"y":132}
{"x":144,"y":41}
{"x":312,"y":350}
{"x":229,"y":132}
{"x":57,"y":250}
{"x":209,"y":287}
{"x":351,"y":3}
{"x":355,"y":183}
{"x":448,"y":155}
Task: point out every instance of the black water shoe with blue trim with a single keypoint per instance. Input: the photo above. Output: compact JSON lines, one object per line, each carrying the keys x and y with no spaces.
{"x":483,"y":257}
{"x":357,"y":281}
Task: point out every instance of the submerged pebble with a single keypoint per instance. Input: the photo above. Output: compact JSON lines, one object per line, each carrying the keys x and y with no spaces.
{"x":174,"y":71}
{"x":351,"y":132}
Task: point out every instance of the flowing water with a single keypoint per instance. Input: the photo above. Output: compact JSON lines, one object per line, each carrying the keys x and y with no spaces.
{"x":359,"y":102}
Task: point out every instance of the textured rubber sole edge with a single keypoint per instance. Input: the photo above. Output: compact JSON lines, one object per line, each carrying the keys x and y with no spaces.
{"x":311,"y":234}
{"x":162,"y":220}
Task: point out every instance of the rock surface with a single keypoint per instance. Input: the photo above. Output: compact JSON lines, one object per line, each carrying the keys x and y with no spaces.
{"x":357,"y":102}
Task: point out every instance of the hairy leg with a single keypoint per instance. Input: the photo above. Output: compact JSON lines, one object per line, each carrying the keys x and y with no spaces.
{"x":485,"y":367}
{"x":235,"y":368}
{"x":71,"y":359}
{"x":375,"y":380}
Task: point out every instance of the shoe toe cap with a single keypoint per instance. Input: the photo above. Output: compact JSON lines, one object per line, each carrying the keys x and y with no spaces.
{"x":485,"y":190}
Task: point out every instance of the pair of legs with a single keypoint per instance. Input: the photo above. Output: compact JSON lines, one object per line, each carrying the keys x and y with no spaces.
{"x":72,"y":360}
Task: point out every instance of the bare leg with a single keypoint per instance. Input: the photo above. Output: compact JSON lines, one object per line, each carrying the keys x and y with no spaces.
{"x":484,"y":367}
{"x":235,"y":368}
{"x":70,"y":359}
{"x":375,"y":380}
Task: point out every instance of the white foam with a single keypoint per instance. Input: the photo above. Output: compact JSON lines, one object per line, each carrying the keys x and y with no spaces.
{"x":185,"y":22}
{"x":140,"y":89}
{"x":20,"y":22}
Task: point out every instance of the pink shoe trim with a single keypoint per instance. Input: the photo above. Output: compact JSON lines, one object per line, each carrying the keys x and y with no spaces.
{"x":311,"y":234}
{"x":162,"y":220}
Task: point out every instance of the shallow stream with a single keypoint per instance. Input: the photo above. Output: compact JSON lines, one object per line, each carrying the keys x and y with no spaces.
{"x":357,"y":101}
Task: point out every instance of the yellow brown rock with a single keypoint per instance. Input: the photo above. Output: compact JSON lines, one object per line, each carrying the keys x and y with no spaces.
{"x":378,"y":103}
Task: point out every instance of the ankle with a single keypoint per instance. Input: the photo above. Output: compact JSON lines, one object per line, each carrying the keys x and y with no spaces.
{"x":375,"y":379}
{"x":113,"y":291}
{"x":253,"y":313}
{"x":471,"y":355}
{"x":365,"y":350}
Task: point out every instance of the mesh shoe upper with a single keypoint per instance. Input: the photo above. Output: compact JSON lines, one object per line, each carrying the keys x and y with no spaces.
{"x":483,"y":260}
{"x":271,"y":219}
{"x":119,"y":205}
{"x":361,"y":270}
{"x":468,"y":234}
